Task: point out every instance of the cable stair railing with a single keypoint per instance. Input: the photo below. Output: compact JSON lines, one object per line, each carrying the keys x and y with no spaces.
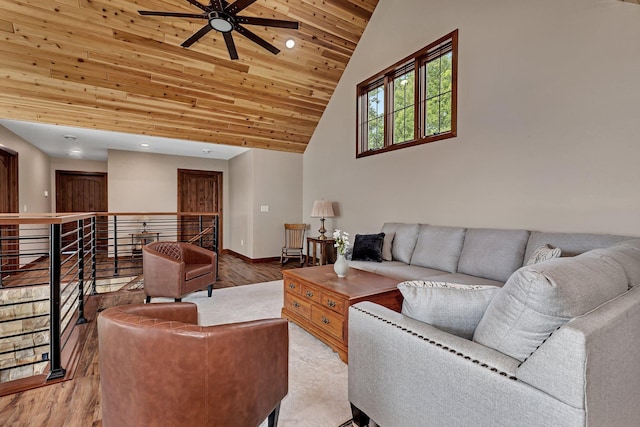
{"x":51,"y":265}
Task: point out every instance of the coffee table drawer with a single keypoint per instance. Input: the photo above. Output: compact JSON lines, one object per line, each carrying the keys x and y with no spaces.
{"x":291,"y":285}
{"x":327,"y":320}
{"x":312,"y":294}
{"x":332,"y":302}
{"x":297,"y":304}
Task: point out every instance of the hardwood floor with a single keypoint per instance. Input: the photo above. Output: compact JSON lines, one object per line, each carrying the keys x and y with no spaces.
{"x":76,"y":403}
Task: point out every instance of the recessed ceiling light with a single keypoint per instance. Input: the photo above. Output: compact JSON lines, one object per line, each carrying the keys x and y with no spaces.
{"x":290,"y":43}
{"x":206,"y":150}
{"x":75,"y":153}
{"x":70,"y":137}
{"x":144,"y":144}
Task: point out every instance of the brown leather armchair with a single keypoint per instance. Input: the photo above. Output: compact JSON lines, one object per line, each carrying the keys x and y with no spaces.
{"x":174,"y":269}
{"x":158,"y":368}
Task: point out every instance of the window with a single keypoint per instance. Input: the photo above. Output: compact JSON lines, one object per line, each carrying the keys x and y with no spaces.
{"x":412,"y":102}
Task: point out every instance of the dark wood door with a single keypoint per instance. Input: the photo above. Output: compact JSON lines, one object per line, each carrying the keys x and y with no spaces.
{"x":83,"y":192}
{"x":8,"y":204}
{"x":199,"y":191}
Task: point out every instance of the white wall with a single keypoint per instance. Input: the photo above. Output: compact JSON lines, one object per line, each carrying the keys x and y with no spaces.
{"x":143,"y":182}
{"x":547,"y":121}
{"x":33,"y":173}
{"x":264,"y":178}
{"x":241,"y":199}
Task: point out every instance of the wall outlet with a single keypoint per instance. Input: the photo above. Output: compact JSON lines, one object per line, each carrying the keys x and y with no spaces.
{"x":264,"y":208}
{"x":25,"y":208}
{"x":241,"y":242}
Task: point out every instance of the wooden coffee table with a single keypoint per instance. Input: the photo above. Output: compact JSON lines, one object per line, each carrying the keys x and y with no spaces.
{"x":318,"y":300}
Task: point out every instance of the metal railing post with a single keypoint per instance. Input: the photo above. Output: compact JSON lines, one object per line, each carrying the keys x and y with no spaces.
{"x":94,"y":245}
{"x":81,"y":318}
{"x":55,"y":352}
{"x":115,"y":245}
{"x":215,"y":244}
{"x":1,"y":257}
{"x":200,"y":229}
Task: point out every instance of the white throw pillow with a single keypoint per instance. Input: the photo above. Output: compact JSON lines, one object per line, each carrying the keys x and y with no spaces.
{"x":451,"y":307}
{"x":387,"y":244}
{"x":543,"y":253}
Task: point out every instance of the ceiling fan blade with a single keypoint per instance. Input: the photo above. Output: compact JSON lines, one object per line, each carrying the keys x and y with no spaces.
{"x":250,"y":20}
{"x":197,"y":36}
{"x":176,"y":14}
{"x":239,"y":5}
{"x":200,"y":5}
{"x":217,"y":5}
{"x":231,"y":46}
{"x":256,"y":39}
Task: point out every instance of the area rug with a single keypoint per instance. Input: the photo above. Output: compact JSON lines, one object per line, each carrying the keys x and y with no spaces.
{"x":317,"y":377}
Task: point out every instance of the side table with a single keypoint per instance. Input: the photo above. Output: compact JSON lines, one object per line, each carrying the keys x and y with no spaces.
{"x":138,"y":240}
{"x":320,"y":251}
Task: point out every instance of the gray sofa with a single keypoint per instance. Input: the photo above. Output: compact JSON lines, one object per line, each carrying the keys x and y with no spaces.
{"x":557,"y":345}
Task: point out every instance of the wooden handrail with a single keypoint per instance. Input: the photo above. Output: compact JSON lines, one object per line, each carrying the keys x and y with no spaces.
{"x":63,"y":218}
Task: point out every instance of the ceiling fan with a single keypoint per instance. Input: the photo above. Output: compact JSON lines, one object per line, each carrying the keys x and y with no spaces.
{"x":223,"y":17}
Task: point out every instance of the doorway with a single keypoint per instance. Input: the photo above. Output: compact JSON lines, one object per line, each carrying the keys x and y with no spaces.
{"x":83,"y":192}
{"x":8,"y":204}
{"x":199,"y":191}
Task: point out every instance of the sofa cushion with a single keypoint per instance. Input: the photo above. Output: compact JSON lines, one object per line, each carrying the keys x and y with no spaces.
{"x":463,"y":279}
{"x":193,"y":271}
{"x":387,"y":244}
{"x":368,"y":247}
{"x":543,"y":253}
{"x":404,"y":241}
{"x":572,"y":244}
{"x":438,"y":247}
{"x":396,"y":269}
{"x":627,"y":254}
{"x":492,"y":253}
{"x":538,"y":299}
{"x":453,"y":308}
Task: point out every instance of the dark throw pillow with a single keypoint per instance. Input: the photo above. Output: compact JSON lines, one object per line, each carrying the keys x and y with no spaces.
{"x":368,"y":247}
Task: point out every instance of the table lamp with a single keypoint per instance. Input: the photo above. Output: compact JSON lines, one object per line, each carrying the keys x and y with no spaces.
{"x":322,"y":209}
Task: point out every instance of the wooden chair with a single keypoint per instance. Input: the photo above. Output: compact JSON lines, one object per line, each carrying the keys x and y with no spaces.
{"x":293,"y":243}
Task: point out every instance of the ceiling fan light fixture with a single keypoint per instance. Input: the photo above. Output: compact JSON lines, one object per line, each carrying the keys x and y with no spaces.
{"x":221,"y":22}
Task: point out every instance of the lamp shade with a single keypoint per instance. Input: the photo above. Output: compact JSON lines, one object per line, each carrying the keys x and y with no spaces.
{"x":322,"y":209}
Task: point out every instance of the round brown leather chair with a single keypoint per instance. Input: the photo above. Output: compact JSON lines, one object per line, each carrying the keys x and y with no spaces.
{"x":159,"y":368}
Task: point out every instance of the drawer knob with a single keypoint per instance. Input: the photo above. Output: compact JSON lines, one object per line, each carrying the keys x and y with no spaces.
{"x":296,"y":304}
{"x":309,"y":294}
{"x":331,"y":303}
{"x":292,"y":285}
{"x":325,"y":320}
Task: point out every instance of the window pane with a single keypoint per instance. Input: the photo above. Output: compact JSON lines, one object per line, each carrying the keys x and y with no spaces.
{"x":433,"y":116}
{"x":447,"y":72}
{"x":433,"y":78}
{"x":445,"y":112}
{"x":403,"y":107}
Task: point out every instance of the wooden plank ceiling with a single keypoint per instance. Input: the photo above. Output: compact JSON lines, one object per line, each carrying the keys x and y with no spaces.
{"x":99,"y":64}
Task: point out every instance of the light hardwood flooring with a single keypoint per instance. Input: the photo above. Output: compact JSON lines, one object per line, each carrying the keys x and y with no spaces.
{"x":76,"y":403}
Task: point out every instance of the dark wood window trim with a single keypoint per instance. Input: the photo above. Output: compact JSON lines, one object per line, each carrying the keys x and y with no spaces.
{"x":415,"y":61}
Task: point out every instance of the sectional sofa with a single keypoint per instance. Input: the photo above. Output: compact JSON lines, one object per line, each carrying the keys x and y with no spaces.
{"x":485,"y":340}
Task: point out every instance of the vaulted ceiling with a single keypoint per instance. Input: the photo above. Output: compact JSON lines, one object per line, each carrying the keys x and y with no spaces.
{"x":99,"y":64}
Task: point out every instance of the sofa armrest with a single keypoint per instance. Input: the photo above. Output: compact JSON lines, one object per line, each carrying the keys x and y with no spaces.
{"x":401,"y":370}
{"x":162,"y":274}
{"x":593,"y":361}
{"x":184,"y":312}
{"x":196,"y":255}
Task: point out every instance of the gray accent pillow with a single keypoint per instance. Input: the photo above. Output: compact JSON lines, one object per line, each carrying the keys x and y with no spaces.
{"x":451,"y":307}
{"x":404,"y":240}
{"x":627,"y":254}
{"x":387,"y":244}
{"x":492,"y":253}
{"x":538,"y":299}
{"x":543,"y":253}
{"x":438,"y":247}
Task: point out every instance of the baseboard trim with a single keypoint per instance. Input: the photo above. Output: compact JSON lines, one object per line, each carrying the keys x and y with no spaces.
{"x":250,"y":260}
